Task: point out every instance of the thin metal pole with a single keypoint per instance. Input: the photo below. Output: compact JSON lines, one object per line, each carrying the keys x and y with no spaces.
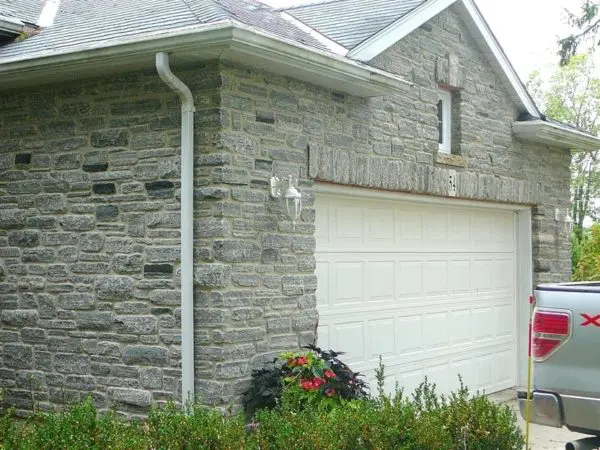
{"x":529,"y":399}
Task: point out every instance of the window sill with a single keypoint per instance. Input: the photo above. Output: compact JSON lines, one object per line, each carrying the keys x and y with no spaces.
{"x":451,"y":160}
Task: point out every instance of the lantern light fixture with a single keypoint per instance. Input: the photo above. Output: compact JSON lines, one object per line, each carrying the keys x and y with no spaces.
{"x":292,"y":197}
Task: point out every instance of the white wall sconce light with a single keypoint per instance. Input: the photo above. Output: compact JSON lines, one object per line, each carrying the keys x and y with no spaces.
{"x":564,"y":218}
{"x":293,"y":198}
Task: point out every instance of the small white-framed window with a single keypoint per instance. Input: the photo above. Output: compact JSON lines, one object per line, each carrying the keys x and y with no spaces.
{"x":444,"y":116}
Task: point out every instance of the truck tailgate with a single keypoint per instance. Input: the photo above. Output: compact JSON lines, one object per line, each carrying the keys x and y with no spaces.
{"x":571,"y":366}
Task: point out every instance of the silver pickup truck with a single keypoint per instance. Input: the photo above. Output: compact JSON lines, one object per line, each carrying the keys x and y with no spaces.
{"x":566,"y":357}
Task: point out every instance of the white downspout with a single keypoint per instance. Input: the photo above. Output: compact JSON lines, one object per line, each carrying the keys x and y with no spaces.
{"x":187,"y":224}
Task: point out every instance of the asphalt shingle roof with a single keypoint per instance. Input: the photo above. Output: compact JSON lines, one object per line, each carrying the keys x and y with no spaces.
{"x":81,"y":22}
{"x":349,"y":22}
{"x":25,"y":10}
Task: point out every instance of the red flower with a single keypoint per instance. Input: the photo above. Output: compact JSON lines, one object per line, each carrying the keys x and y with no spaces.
{"x":301,"y":360}
{"x":330,"y":392}
{"x":329,"y":373}
{"x":318,"y":382}
{"x":307,"y":385}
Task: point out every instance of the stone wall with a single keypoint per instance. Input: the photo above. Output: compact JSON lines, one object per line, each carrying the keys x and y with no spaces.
{"x":89,"y":239}
{"x":254,"y":273}
{"x":89,"y":221}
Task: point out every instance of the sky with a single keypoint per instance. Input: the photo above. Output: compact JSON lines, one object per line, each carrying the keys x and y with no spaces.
{"x":526,"y":29}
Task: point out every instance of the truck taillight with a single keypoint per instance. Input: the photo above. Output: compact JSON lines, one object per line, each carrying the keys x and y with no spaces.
{"x":551,"y":329}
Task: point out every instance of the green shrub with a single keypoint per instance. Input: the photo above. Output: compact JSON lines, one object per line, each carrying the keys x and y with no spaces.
{"x":423,"y":421}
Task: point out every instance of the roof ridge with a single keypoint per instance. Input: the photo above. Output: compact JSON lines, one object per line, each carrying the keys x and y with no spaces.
{"x":212,"y":2}
{"x":322,"y":2}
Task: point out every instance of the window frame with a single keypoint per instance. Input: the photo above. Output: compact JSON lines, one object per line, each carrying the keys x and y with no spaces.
{"x":445,"y":96}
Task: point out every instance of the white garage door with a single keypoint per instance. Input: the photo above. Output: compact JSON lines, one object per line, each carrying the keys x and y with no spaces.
{"x":430,"y":287}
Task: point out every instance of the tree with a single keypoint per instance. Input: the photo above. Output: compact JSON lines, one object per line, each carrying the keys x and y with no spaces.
{"x":588,"y":266}
{"x":572,"y":96}
{"x":587,"y":23}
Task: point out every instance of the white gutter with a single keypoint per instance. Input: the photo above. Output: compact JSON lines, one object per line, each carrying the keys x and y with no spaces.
{"x":187,"y":224}
{"x":303,"y":62}
{"x":555,"y":135}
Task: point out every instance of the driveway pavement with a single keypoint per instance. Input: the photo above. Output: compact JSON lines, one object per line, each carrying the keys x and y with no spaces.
{"x":540,"y":437}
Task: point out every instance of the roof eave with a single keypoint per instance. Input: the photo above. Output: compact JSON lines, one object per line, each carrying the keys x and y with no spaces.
{"x":329,"y":70}
{"x":11,"y":26}
{"x":228,"y":39}
{"x":555,"y":135}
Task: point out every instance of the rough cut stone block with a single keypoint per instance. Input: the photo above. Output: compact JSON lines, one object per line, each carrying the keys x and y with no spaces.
{"x":104,"y":188}
{"x":158,"y":270}
{"x":91,"y":242}
{"x":72,"y":363}
{"x":41,"y":222}
{"x":146,"y":355}
{"x":110,"y":138}
{"x":114,"y":288}
{"x":16,"y":356}
{"x":76,"y":300}
{"x":107,"y":213}
{"x":133,"y":397}
{"x":136,"y":324}
{"x":211,"y":193}
{"x":151,"y":378}
{"x":25,"y":238}
{"x":12,"y":218}
{"x":237,"y":251}
{"x":77,"y":222}
{"x":125,"y":263}
{"x":38,"y":255}
{"x":80,"y":382}
{"x":20,"y":317}
{"x":212,"y":275}
{"x":160,"y":254}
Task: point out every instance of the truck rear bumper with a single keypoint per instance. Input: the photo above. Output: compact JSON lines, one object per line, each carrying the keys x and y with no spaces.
{"x":580,"y":414}
{"x":545,"y":408}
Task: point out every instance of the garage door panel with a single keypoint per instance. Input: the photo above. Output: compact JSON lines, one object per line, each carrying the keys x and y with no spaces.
{"x":381,"y":281}
{"x":348,"y":283}
{"x":430,"y":288}
{"x":350,"y":337}
{"x":460,"y":327}
{"x":409,"y":279}
{"x":435,"y":278}
{"x":349,"y":225}
{"x":380,"y":226}
{"x":410,"y":228}
{"x":435,"y":330}
{"x":409,"y":334}
{"x":381,"y":337}
{"x":483,"y":323}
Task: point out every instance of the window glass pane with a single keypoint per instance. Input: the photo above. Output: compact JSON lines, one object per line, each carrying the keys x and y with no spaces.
{"x":440,"y":122}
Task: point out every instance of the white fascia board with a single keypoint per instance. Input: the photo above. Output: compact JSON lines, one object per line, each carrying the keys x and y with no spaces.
{"x":316,"y":66}
{"x":331,"y":45}
{"x":555,"y":135}
{"x":296,"y":60}
{"x":498,"y":54}
{"x":11,"y":25}
{"x":384,"y":39}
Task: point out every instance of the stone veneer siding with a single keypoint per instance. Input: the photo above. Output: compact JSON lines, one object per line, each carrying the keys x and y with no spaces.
{"x":89,"y":240}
